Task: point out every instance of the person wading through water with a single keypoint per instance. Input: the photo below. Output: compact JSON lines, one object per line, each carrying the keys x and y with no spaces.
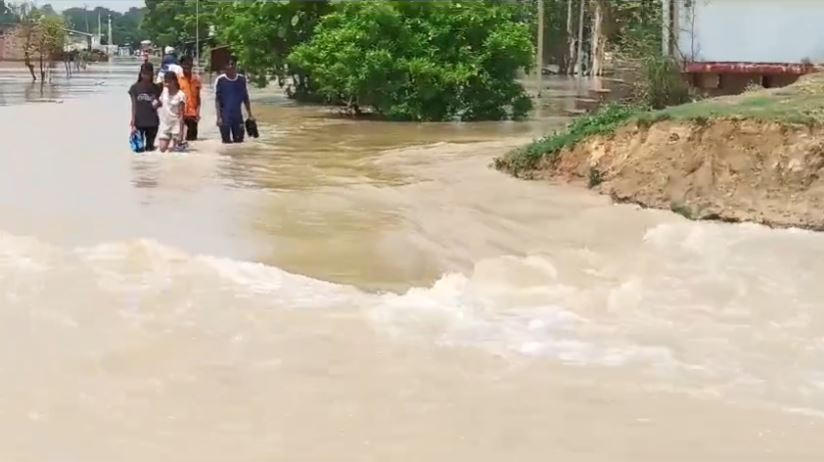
{"x":145,"y":96}
{"x":191,"y":85}
{"x":172,"y":108}
{"x":168,"y":64}
{"x":230,"y":94}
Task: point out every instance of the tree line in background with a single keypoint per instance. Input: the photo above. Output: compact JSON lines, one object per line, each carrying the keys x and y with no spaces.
{"x":416,"y":60}
{"x":591,"y":37}
{"x":125,"y":26}
{"x":41,"y":32}
{"x":404,"y":60}
{"x":398,"y":60}
{"x":581,"y":34}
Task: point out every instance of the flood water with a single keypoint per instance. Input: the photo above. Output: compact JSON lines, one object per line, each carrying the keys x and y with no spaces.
{"x":346,"y":290}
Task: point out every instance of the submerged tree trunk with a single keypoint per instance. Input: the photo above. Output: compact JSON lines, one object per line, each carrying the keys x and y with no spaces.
{"x":570,"y":32}
{"x":27,"y":62}
{"x":598,"y":39}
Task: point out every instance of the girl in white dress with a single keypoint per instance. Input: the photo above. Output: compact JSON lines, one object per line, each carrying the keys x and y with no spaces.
{"x":173,"y":103}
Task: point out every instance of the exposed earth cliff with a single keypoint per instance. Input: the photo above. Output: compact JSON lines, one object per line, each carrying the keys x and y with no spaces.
{"x":756,"y":157}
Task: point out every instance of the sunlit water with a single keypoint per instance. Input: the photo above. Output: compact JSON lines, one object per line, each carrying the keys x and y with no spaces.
{"x":367,"y":291}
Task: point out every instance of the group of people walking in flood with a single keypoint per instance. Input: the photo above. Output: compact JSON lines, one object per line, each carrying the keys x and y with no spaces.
{"x":166,"y":107}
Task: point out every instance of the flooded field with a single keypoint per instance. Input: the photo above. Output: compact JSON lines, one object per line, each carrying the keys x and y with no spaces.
{"x":369,"y":291}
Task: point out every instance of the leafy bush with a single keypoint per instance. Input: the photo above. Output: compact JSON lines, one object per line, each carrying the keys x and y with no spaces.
{"x":603,"y":122}
{"x":420,"y":60}
{"x":661,"y":83}
{"x":263,"y":34}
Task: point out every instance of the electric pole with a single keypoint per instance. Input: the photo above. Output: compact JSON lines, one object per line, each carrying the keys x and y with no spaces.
{"x":197,"y":35}
{"x":666,"y":24}
{"x":539,"y":58}
{"x":579,"y":66}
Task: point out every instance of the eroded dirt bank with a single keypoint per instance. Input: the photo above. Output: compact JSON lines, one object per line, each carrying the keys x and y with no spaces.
{"x":761,"y":172}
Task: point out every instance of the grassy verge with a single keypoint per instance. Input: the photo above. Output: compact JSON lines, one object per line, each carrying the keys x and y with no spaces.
{"x":602,"y":122}
{"x":801,"y":104}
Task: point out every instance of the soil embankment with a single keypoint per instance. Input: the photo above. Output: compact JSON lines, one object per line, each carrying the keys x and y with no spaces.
{"x":757,"y":157}
{"x":761,"y":172}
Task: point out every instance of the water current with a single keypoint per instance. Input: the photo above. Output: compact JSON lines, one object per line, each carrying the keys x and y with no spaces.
{"x":346,"y":290}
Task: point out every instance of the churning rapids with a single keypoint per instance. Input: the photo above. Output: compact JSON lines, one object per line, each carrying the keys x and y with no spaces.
{"x":366,"y":291}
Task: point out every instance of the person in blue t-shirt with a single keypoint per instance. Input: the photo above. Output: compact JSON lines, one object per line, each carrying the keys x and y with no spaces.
{"x":230,"y":94}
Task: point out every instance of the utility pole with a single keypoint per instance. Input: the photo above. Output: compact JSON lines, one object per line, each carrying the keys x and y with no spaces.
{"x":570,"y":67}
{"x":539,"y":58}
{"x":110,"y":33}
{"x":99,"y":29}
{"x":197,"y":35}
{"x":666,"y":25}
{"x":579,"y":67}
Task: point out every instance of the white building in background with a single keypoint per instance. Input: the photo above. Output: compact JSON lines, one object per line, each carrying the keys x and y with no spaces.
{"x":732,"y":43}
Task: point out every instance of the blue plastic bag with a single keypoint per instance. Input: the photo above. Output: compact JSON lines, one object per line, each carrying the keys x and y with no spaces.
{"x":136,"y":142}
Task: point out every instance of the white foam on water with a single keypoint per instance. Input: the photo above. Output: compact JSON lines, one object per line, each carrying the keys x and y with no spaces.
{"x":299,"y":291}
{"x":23,"y":254}
{"x":510,"y":305}
{"x":707,"y":302}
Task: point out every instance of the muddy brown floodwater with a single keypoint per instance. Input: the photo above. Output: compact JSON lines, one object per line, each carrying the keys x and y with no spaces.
{"x":367,"y":291}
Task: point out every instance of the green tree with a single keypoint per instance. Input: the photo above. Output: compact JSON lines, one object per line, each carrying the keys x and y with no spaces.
{"x":629,"y":29}
{"x":172,"y":22}
{"x":51,"y":39}
{"x":48,"y":10}
{"x":125,"y":26}
{"x":636,"y":28}
{"x":263,"y":34}
{"x":421,"y":60}
{"x":80,"y":19}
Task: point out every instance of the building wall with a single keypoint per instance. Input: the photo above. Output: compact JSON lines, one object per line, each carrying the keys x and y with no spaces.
{"x":756,"y":31}
{"x":11,"y":45}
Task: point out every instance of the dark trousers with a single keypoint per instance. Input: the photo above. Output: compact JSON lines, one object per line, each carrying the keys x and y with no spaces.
{"x":191,"y":128}
{"x":232,"y":133}
{"x":149,"y":134}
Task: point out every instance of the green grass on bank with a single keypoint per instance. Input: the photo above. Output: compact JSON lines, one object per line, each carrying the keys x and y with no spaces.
{"x":603,"y":122}
{"x":801,"y":104}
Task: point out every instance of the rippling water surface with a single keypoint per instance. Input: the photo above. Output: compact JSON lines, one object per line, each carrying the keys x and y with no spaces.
{"x":351,"y":290}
